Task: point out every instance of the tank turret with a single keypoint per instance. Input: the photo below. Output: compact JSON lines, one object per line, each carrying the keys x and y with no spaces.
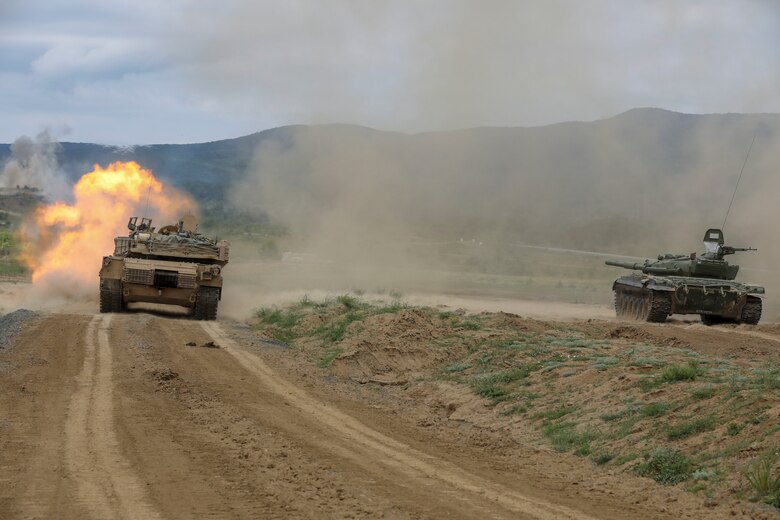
{"x":688,"y":284}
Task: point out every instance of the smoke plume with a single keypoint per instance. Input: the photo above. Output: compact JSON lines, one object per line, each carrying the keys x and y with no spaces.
{"x":33,"y":164}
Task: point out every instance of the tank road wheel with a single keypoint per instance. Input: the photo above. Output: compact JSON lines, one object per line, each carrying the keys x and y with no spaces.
{"x":751,"y":312}
{"x":649,"y":305}
{"x":111,"y":296}
{"x":659,"y":306}
{"x":206,"y":304}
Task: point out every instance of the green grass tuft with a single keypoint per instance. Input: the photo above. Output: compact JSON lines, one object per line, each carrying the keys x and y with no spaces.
{"x":734,"y":429}
{"x":602,"y":459}
{"x":457,"y":367}
{"x":686,"y":429}
{"x":764,"y":480}
{"x":328,"y":356}
{"x":654,"y":409}
{"x":469,"y":325}
{"x":687,"y":372}
{"x":666,"y":466}
{"x":705,"y":392}
{"x":350,"y":302}
{"x":564,"y":437}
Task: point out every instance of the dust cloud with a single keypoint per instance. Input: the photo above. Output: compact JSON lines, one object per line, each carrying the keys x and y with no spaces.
{"x":434,"y":212}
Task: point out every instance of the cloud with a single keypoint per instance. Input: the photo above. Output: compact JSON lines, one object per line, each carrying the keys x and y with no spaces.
{"x":444,"y":64}
{"x":91,"y":57}
{"x":241,"y":65}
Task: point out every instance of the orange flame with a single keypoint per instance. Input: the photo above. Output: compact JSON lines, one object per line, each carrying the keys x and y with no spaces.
{"x":70,"y":240}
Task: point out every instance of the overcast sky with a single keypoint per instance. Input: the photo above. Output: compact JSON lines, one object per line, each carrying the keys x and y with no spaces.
{"x":177,"y":71}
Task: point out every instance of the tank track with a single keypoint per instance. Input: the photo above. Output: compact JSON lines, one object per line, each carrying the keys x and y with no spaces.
{"x":751,"y":313}
{"x":642,"y":304}
{"x":111,"y":296}
{"x":207,"y":303}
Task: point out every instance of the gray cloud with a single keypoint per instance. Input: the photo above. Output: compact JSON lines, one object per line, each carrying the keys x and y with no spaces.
{"x":239,"y":66}
{"x":443,"y":64}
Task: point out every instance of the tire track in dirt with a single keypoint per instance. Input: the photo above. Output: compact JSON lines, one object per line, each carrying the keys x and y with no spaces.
{"x":356,"y":440}
{"x":106,"y":484}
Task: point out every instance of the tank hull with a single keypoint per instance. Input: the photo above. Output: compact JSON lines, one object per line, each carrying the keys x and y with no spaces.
{"x":723,"y":300}
{"x":126,"y":280}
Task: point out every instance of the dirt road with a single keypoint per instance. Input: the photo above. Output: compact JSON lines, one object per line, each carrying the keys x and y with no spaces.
{"x":140,"y":416}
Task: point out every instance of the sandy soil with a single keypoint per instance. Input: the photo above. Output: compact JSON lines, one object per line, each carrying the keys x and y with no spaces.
{"x":132,"y":416}
{"x":116,"y":417}
{"x":530,"y":309}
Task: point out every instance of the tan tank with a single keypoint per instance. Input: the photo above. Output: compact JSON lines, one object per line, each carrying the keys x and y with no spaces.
{"x":175,"y":266}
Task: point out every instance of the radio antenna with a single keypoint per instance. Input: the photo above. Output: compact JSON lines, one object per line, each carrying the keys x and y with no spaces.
{"x":738,"y":179}
{"x":148,"y":192}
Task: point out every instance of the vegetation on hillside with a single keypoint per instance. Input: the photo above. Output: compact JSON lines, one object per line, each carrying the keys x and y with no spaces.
{"x":664,"y":412}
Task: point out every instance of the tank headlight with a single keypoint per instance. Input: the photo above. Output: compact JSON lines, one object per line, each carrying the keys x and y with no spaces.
{"x":215,"y":270}
{"x":106,"y":260}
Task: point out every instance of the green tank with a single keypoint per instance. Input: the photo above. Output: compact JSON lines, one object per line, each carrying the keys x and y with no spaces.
{"x":688,"y":284}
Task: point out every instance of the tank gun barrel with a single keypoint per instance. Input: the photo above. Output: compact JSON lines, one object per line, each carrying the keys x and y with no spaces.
{"x":625,"y":265}
{"x":645,"y":267}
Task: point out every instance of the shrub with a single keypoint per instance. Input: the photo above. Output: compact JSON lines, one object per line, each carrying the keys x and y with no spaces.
{"x":734,"y":429}
{"x":349,"y":301}
{"x":687,"y":372}
{"x":703,"y":393}
{"x":492,"y":385}
{"x":602,"y":459}
{"x":666,"y":466}
{"x":763,"y":479}
{"x":768,"y":379}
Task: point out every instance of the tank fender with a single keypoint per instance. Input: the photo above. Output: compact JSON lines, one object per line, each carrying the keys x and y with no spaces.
{"x":659,"y":287}
{"x":632,"y":282}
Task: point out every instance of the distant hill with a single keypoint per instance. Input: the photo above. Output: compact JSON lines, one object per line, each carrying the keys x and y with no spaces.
{"x":204,"y":169}
{"x":577,"y":184}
